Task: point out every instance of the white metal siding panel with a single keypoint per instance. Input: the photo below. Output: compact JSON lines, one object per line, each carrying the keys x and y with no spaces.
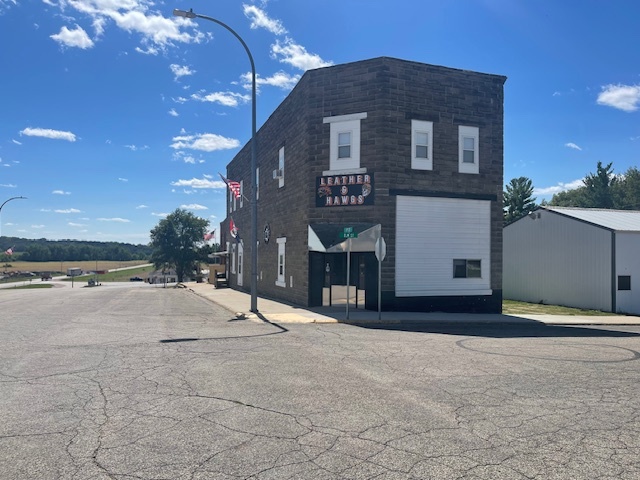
{"x":430,"y":233}
{"x":628,"y":263}
{"x":558,"y":261}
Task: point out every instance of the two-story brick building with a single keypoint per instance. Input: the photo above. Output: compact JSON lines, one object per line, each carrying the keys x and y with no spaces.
{"x":403,"y":150}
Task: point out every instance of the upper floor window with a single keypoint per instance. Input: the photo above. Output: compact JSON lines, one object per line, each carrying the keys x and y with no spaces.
{"x":281,"y":167}
{"x":241,"y":193}
{"x":468,"y":151}
{"x":421,"y":145}
{"x":344,"y":149}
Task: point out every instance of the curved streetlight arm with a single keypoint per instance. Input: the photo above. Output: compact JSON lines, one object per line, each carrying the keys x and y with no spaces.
{"x":254,"y":161}
{"x":4,"y":203}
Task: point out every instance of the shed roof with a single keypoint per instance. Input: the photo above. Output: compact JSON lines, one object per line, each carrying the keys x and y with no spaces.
{"x":618,"y":220}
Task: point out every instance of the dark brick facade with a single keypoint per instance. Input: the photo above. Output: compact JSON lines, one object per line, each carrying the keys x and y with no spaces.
{"x":392,"y":92}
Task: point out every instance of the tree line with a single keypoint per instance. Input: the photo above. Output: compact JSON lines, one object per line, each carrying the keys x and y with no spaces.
{"x":600,"y":189}
{"x":43,"y":250}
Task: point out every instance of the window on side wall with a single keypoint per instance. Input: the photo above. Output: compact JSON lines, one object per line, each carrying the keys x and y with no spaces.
{"x":624,"y":282}
{"x":463,"y":268}
{"x":282,"y":241}
{"x":281,"y":167}
{"x":468,"y":150}
{"x":344,"y":146}
{"x":241,"y":193}
{"x":421,"y":145}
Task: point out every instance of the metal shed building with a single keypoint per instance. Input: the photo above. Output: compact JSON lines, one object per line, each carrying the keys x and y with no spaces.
{"x":577,"y":257}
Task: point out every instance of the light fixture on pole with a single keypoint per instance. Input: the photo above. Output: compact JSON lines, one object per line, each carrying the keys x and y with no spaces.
{"x":3,"y":204}
{"x":254,"y":161}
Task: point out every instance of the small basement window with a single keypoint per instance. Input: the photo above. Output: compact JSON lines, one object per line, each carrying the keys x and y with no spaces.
{"x":463,"y":268}
{"x":624,"y":282}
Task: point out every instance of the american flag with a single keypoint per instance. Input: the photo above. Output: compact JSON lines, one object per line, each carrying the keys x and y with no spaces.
{"x":210,"y":235}
{"x":233,"y":186}
{"x":233,"y":230}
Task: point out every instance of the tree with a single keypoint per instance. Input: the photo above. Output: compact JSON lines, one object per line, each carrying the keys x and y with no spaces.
{"x":177,"y":241}
{"x":600,"y":187}
{"x":628,"y":190}
{"x":518,"y":200}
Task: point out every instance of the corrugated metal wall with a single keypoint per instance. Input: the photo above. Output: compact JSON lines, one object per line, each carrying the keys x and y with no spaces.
{"x":558,"y":261}
{"x":628,"y":263}
{"x":430,"y":233}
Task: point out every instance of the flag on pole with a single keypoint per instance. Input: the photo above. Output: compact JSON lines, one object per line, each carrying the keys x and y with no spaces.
{"x":233,"y":186}
{"x":210,"y":235}
{"x":9,"y":251}
{"x":233,"y":230}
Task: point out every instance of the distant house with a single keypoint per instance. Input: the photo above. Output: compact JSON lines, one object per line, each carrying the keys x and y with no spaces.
{"x":159,"y":276}
{"x":577,"y":257}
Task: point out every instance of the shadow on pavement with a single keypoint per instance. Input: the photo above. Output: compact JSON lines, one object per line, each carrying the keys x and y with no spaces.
{"x":502,"y":330}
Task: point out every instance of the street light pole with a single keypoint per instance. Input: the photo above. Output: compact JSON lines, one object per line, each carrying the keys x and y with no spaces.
{"x":3,"y":204}
{"x":254,"y":161}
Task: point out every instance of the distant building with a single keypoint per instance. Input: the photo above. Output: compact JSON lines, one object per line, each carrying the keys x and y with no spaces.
{"x":577,"y":257}
{"x":384,"y":147}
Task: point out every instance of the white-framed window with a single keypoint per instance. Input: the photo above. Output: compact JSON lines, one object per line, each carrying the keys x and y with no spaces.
{"x":344,"y":147}
{"x":235,"y":200}
{"x":241,"y":193}
{"x":240,"y":263}
{"x":233,"y":258}
{"x":421,"y":145}
{"x":258,"y":183}
{"x":281,"y":282}
{"x":468,"y":151}
{"x":281,"y":167}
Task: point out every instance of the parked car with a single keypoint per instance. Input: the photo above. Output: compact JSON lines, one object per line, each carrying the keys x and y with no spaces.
{"x":136,"y":279}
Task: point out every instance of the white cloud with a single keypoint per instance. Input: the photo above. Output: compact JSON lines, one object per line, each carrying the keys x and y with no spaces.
{"x":622,"y":97}
{"x":296,"y":55}
{"x":49,"y":133}
{"x":114,"y":219}
{"x":60,"y":192}
{"x":180,"y":100}
{"x":180,"y":71}
{"x":259,"y":19}
{"x":572,"y":145}
{"x":163,"y":215}
{"x":37,"y":226}
{"x":135,"y":148}
{"x":194,"y":206}
{"x":199,"y":183}
{"x":16,"y":142}
{"x":72,"y":224}
{"x":279,"y":79}
{"x":73,"y":38}
{"x":207,"y":142}
{"x":8,"y":185}
{"x":123,"y":179}
{"x":228,"y":99}
{"x":68,"y":210}
{"x":173,"y":112}
{"x":141,"y":206}
{"x":561,"y":187}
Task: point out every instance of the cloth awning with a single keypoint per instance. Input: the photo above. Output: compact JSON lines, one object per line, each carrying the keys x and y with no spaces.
{"x":326,"y":237}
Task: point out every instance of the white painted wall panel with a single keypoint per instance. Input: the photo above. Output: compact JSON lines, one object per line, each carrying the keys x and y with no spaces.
{"x":628,"y":263}
{"x":558,"y":261}
{"x":430,"y":233}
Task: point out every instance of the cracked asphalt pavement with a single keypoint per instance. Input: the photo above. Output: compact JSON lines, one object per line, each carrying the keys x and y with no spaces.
{"x":118,"y":382}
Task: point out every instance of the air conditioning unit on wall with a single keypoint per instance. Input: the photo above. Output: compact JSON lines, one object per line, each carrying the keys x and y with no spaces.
{"x":278,"y":173}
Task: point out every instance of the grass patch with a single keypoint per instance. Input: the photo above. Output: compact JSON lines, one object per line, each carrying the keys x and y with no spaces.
{"x":121,"y":276}
{"x":24,"y":287}
{"x":512,"y":307}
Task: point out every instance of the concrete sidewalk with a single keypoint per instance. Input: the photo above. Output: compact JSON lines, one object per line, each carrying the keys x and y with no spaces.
{"x":277,"y":312}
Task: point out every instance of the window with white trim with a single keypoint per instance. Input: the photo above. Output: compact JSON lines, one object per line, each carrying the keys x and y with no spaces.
{"x":468,"y":151}
{"x":233,"y":258}
{"x":344,"y":147}
{"x":258,"y":183}
{"x":421,"y":145}
{"x":281,"y":282}
{"x":241,"y":193}
{"x":281,"y":167}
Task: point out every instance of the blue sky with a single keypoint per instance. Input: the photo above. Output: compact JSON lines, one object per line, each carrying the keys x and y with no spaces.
{"x":115,"y":112}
